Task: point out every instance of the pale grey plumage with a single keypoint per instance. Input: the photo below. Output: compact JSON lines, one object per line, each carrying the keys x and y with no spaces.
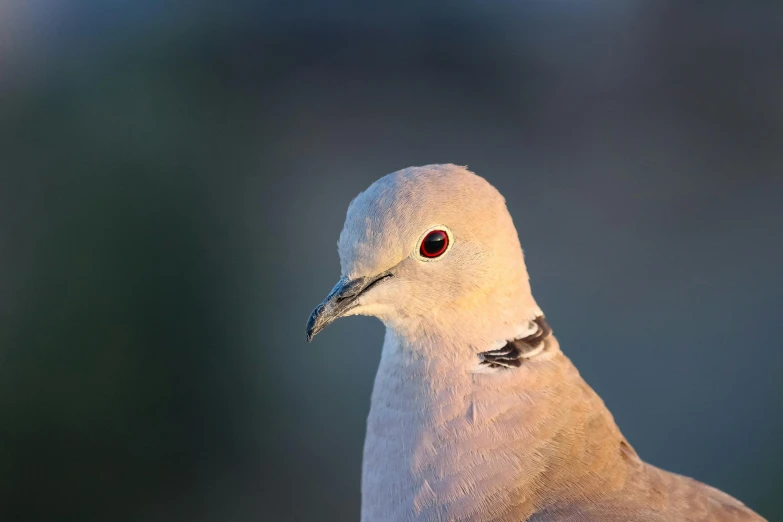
{"x":476,"y":414}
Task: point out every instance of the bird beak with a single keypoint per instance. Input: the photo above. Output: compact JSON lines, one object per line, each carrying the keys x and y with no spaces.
{"x":343,"y":297}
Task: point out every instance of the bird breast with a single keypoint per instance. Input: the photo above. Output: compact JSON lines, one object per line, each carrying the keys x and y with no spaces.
{"x":445,"y":444}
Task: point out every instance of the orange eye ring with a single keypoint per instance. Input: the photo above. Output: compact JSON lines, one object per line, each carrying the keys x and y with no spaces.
{"x":434,"y":244}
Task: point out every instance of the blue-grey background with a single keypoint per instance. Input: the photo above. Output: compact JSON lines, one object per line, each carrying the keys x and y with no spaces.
{"x":174,"y":176}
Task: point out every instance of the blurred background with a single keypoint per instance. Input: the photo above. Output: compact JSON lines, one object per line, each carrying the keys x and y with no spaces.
{"x":174,"y":177}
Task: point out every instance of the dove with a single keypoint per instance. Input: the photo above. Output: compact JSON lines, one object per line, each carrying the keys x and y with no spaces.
{"x":476,"y":414}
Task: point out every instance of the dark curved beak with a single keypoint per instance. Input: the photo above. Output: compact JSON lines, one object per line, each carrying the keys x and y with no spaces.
{"x":343,"y":297}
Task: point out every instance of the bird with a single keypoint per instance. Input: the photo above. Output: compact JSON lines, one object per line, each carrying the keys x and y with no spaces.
{"x":476,"y":414}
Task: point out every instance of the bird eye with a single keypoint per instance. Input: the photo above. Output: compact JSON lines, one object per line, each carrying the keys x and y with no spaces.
{"x":434,"y":244}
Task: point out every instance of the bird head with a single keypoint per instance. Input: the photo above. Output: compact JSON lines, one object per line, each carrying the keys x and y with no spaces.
{"x":421,"y":247}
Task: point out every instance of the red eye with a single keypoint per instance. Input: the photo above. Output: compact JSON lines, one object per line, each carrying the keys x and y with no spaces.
{"x":434,"y":244}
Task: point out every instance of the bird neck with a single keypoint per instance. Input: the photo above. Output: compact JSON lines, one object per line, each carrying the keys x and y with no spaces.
{"x":474,"y":323}
{"x":506,"y":427}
